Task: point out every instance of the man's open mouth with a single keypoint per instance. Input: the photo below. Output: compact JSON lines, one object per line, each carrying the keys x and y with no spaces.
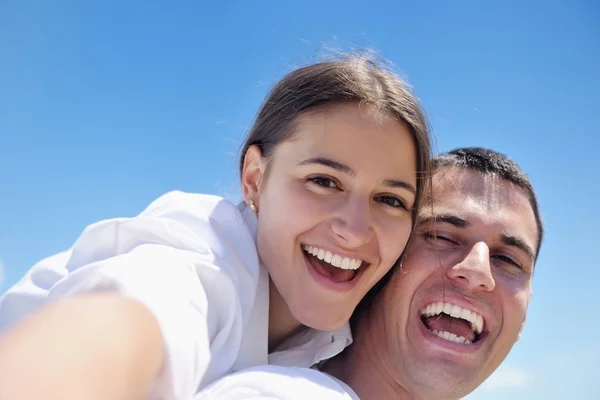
{"x":452,"y":322}
{"x":333,"y":266}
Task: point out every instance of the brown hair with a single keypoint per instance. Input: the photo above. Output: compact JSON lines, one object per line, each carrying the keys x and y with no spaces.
{"x":353,"y":78}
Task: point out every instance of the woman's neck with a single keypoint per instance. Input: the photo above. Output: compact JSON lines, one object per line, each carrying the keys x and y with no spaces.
{"x":281,"y":320}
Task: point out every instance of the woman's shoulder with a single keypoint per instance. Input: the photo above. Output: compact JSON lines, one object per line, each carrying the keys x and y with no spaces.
{"x":197,"y":204}
{"x":215,"y":219}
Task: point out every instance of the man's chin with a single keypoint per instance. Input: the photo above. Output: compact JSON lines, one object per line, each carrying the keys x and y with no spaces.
{"x":443,"y":381}
{"x":447,"y":370}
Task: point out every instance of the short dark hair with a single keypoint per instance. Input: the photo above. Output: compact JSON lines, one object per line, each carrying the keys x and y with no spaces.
{"x":490,"y":162}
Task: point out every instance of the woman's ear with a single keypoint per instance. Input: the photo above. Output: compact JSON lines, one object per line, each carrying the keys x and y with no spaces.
{"x":252,"y":174}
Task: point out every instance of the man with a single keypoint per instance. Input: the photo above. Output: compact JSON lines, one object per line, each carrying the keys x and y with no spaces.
{"x":449,"y":316}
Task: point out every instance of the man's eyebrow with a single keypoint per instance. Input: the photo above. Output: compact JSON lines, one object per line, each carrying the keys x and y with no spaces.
{"x":516,"y":241}
{"x":393,"y":183}
{"x":451,"y":219}
{"x":331,"y":164}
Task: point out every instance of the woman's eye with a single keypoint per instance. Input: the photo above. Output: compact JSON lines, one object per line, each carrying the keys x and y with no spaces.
{"x":392,"y":201}
{"x":323,"y":181}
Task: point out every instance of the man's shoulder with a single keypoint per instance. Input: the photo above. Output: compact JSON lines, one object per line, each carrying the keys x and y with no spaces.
{"x":277,"y":382}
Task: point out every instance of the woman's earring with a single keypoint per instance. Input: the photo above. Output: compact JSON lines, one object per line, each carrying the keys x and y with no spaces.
{"x":253,"y":207}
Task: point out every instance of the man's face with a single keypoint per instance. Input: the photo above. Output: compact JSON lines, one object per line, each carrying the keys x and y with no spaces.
{"x":460,"y":300}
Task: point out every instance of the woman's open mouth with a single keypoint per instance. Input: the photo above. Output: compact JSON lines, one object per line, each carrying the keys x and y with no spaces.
{"x":333,"y":266}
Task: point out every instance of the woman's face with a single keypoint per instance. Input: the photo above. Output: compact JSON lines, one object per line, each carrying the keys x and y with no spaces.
{"x":334,"y":209}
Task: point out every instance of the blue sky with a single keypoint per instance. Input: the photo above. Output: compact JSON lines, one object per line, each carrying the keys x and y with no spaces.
{"x":105,"y":105}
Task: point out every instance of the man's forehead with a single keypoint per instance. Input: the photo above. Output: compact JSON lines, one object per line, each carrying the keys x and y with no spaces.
{"x":452,"y":184}
{"x":488,"y":190}
{"x":470,"y":195}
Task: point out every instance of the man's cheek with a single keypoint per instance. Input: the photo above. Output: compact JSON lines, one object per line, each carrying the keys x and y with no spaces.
{"x":413,"y":251}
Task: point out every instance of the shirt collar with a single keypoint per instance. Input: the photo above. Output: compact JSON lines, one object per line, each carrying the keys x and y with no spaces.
{"x":310,"y":346}
{"x":249,"y":217}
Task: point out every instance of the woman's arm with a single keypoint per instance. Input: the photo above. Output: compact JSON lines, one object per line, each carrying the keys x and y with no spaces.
{"x":188,"y":259}
{"x":102,"y":346}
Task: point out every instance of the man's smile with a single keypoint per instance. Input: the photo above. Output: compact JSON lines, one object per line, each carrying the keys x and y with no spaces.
{"x":452,"y":322}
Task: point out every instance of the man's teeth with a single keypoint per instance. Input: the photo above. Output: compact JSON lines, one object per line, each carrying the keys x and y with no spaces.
{"x":451,"y":337}
{"x":455,"y":311}
{"x":333,"y":259}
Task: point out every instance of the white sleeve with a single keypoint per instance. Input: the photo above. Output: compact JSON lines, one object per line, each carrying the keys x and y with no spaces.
{"x":194,"y":270}
{"x":272,"y":382}
{"x":30,"y":293}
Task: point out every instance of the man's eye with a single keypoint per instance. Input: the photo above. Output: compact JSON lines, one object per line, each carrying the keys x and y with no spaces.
{"x":392,"y":201}
{"x":323,"y":181}
{"x":507,"y":260}
{"x":432,"y":237}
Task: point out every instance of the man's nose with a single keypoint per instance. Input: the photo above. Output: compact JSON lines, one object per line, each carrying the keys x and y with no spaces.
{"x":474,"y":271}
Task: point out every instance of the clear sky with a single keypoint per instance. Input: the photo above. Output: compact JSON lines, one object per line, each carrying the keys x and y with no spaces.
{"x":105,"y":105}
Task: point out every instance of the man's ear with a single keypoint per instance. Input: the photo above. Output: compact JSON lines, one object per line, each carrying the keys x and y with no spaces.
{"x":252,"y":174}
{"x":524,"y":318}
{"x":521,"y":329}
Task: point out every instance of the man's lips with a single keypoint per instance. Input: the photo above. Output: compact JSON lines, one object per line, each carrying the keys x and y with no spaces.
{"x":452,"y":322}
{"x":436,"y":344}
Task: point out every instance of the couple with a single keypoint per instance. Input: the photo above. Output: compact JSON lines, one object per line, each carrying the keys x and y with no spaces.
{"x":336,"y":179}
{"x":447,"y":318}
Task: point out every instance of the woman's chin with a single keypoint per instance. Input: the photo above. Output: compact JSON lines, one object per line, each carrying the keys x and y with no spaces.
{"x":322,"y":318}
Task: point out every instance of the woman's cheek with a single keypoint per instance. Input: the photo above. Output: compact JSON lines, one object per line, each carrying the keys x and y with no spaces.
{"x":393,"y":238}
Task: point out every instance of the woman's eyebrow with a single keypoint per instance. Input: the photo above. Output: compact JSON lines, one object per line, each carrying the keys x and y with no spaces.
{"x":346,"y":169}
{"x":396,"y":183}
{"x":331,"y":164}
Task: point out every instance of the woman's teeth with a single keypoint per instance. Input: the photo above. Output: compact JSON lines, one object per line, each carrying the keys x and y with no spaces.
{"x":333,"y":259}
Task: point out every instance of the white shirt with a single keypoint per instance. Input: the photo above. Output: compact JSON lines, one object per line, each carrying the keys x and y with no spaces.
{"x":192,"y":260}
{"x":278,"y":383}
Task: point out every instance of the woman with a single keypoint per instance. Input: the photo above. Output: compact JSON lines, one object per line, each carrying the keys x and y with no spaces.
{"x":194,"y":288}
